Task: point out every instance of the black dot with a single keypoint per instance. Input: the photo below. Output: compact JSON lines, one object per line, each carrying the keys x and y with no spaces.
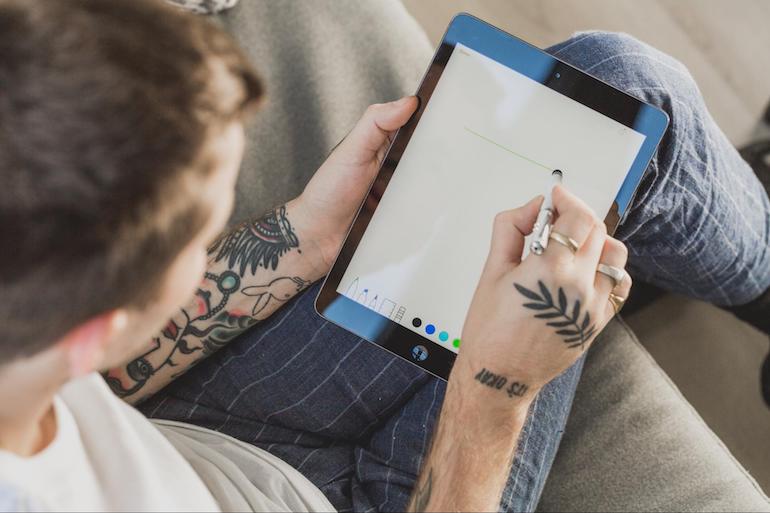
{"x":416,"y":322}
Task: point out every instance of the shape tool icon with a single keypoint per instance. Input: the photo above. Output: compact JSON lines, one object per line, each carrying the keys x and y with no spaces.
{"x":387,"y":307}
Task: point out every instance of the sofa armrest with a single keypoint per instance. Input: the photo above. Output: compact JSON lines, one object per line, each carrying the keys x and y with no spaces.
{"x":634,"y":443}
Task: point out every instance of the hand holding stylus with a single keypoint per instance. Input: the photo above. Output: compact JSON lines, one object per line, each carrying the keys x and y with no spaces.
{"x":529,"y":321}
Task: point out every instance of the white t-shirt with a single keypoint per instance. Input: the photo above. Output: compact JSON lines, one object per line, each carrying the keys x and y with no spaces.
{"x":106,"y":456}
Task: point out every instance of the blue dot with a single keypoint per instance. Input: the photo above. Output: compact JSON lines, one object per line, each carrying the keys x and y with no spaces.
{"x":430,"y":329}
{"x":443,"y":336}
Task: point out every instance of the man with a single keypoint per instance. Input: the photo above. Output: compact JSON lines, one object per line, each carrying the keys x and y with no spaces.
{"x":118,"y":163}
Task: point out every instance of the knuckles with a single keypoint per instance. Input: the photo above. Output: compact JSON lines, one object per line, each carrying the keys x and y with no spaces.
{"x":373,"y":109}
{"x":600,"y":224}
{"x":586,"y":218}
{"x":501,"y":219}
{"x":619,"y":248}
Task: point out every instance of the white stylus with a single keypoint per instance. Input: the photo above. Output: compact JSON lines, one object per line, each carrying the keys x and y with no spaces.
{"x":541,"y":231}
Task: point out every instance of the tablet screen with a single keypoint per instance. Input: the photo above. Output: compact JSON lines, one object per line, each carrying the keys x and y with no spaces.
{"x":487,"y":141}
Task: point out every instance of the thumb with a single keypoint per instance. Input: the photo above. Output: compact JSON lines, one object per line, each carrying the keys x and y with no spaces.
{"x":378,"y":122}
{"x":508,"y":232}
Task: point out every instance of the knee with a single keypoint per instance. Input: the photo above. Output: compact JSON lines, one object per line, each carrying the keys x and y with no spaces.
{"x":635,"y":67}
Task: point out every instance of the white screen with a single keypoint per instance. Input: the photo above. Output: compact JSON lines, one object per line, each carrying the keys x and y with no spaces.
{"x":486,"y":142}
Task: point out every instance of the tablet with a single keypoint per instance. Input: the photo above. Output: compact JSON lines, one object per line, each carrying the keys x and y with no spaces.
{"x":496,"y":117}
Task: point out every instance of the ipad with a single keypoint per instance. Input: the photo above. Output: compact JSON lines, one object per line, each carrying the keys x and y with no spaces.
{"x":496,"y":117}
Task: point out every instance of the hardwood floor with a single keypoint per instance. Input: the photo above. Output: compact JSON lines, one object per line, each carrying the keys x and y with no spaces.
{"x":712,"y":358}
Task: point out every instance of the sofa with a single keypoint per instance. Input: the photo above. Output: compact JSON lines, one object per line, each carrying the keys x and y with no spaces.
{"x":632,"y":442}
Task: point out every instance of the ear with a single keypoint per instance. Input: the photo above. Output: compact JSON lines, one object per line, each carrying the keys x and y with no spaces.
{"x":84,"y":345}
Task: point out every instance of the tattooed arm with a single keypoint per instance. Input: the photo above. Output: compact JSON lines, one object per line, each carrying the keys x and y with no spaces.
{"x":473,"y":446}
{"x":252,"y":271}
{"x":528,"y":322}
{"x":261,"y":264}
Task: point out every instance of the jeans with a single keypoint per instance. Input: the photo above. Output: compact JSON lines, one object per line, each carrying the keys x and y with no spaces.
{"x":357,"y":421}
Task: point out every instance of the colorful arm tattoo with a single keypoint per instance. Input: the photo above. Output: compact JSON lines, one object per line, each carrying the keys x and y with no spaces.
{"x":228,"y":302}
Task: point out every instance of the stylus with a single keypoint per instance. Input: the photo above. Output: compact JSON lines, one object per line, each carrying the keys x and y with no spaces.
{"x":541,"y":231}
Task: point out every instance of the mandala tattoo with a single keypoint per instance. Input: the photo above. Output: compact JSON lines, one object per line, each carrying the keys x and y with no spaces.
{"x":257,"y":243}
{"x":573,"y":331}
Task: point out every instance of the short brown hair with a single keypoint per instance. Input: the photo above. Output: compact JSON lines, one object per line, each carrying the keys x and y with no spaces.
{"x":105,"y":111}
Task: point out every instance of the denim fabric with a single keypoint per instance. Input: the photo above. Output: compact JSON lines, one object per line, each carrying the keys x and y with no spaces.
{"x":357,"y":421}
{"x":699,"y":225}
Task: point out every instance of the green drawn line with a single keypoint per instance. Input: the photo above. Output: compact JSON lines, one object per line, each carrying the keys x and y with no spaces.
{"x":507,"y":149}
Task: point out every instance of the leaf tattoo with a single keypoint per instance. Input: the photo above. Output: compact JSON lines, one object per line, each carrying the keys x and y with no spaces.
{"x":574,"y":331}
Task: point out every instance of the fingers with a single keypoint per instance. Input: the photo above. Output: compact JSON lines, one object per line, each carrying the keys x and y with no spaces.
{"x":613,"y":253}
{"x":375,"y":127}
{"x":624,"y":288}
{"x":577,"y":221}
{"x":510,"y":228}
{"x":574,"y":219}
{"x":591,"y":250}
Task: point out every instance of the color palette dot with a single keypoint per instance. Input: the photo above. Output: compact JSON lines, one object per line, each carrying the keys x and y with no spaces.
{"x":456,"y":342}
{"x":416,"y":322}
{"x":430,"y":329}
{"x":443,"y":336}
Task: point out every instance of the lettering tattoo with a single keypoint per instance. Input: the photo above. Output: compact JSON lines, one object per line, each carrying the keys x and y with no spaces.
{"x":217,"y":314}
{"x":257,"y":243}
{"x":421,"y":496}
{"x":498,"y":382}
{"x":574,"y":331}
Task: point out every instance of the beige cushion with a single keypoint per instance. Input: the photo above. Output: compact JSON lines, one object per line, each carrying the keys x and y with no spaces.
{"x":633,"y":443}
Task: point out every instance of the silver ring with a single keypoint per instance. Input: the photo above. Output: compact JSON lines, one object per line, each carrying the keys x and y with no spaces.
{"x":616,"y":274}
{"x":565,"y":241}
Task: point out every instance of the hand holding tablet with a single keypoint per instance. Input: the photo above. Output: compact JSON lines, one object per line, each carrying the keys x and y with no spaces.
{"x":496,"y":117}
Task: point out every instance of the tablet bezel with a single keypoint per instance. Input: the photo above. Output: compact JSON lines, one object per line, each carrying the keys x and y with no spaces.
{"x":535,"y":64}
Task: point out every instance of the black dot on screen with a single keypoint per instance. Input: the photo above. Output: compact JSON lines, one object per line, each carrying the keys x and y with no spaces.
{"x":416,"y":322}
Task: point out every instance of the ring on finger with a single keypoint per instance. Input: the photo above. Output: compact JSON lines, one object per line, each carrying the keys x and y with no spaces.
{"x":565,"y":241}
{"x":616,"y":274}
{"x":617,"y":302}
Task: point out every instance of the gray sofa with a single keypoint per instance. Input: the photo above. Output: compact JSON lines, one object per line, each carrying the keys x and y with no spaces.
{"x":632,"y":442}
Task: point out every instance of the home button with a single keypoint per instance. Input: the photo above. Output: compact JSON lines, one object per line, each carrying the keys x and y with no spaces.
{"x":419,"y":353}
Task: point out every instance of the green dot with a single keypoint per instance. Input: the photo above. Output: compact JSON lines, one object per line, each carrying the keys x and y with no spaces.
{"x":443,"y":336}
{"x":456,"y":342}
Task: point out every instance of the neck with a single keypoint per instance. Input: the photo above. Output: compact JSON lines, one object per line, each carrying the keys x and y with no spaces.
{"x":27,"y":419}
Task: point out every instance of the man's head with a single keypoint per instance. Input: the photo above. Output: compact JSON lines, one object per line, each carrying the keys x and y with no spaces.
{"x":120,"y":140}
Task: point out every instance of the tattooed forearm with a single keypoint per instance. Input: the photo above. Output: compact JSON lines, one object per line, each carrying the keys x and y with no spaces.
{"x":204,"y":327}
{"x":421,"y":496}
{"x":228,"y":301}
{"x":257,"y":243}
{"x":498,"y":382}
{"x":569,"y":326}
